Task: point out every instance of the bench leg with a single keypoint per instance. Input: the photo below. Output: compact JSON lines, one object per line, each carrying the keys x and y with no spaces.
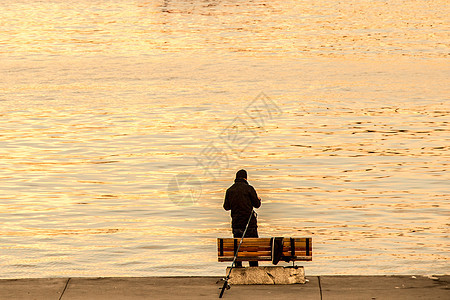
{"x":253,"y":263}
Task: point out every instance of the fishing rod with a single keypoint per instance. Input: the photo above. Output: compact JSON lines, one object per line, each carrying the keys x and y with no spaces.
{"x":225,"y":284}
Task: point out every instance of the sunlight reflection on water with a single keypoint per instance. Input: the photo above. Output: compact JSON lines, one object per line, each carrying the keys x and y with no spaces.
{"x":103,"y":104}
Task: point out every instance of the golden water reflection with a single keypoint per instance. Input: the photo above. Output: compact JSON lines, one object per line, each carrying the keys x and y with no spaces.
{"x":102,"y":104}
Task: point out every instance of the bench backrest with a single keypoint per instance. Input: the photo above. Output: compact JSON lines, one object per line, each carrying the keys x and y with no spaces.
{"x":260,"y":249}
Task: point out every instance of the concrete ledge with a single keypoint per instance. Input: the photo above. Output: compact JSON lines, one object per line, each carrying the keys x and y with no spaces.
{"x":32,"y":288}
{"x":267,"y":275}
{"x":406,"y":287}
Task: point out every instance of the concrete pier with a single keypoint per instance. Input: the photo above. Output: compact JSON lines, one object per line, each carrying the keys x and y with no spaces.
{"x":317,"y":288}
{"x":267,"y":275}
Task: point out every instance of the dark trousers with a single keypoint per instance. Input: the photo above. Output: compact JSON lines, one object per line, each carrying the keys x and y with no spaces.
{"x":251,"y":232}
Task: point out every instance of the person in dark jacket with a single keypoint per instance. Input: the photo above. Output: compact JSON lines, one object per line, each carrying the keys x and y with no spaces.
{"x":240,"y":198}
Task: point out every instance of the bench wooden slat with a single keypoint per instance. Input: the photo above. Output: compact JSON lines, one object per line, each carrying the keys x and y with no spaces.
{"x":262,"y":253}
{"x":247,"y":253}
{"x":259,"y":241}
{"x":229,"y":242}
{"x":262,"y":258}
{"x":249,"y":258}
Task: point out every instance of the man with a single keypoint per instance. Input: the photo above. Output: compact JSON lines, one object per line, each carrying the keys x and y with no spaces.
{"x":241,"y":198}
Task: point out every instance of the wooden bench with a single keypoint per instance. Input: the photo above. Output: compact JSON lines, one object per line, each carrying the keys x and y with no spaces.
{"x":260,"y":249}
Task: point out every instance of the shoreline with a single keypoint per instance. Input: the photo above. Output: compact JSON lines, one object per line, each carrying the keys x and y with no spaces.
{"x":207,"y":287}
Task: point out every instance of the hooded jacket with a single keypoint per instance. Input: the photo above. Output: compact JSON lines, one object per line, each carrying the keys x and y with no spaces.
{"x":241,"y":198}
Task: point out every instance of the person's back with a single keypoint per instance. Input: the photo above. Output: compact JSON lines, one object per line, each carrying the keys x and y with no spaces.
{"x":241,"y":198}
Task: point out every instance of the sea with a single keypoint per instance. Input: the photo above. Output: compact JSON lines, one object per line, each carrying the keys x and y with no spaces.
{"x":122,"y":124}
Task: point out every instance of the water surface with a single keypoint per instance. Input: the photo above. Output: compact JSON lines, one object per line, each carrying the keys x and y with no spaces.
{"x":104,"y":104}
